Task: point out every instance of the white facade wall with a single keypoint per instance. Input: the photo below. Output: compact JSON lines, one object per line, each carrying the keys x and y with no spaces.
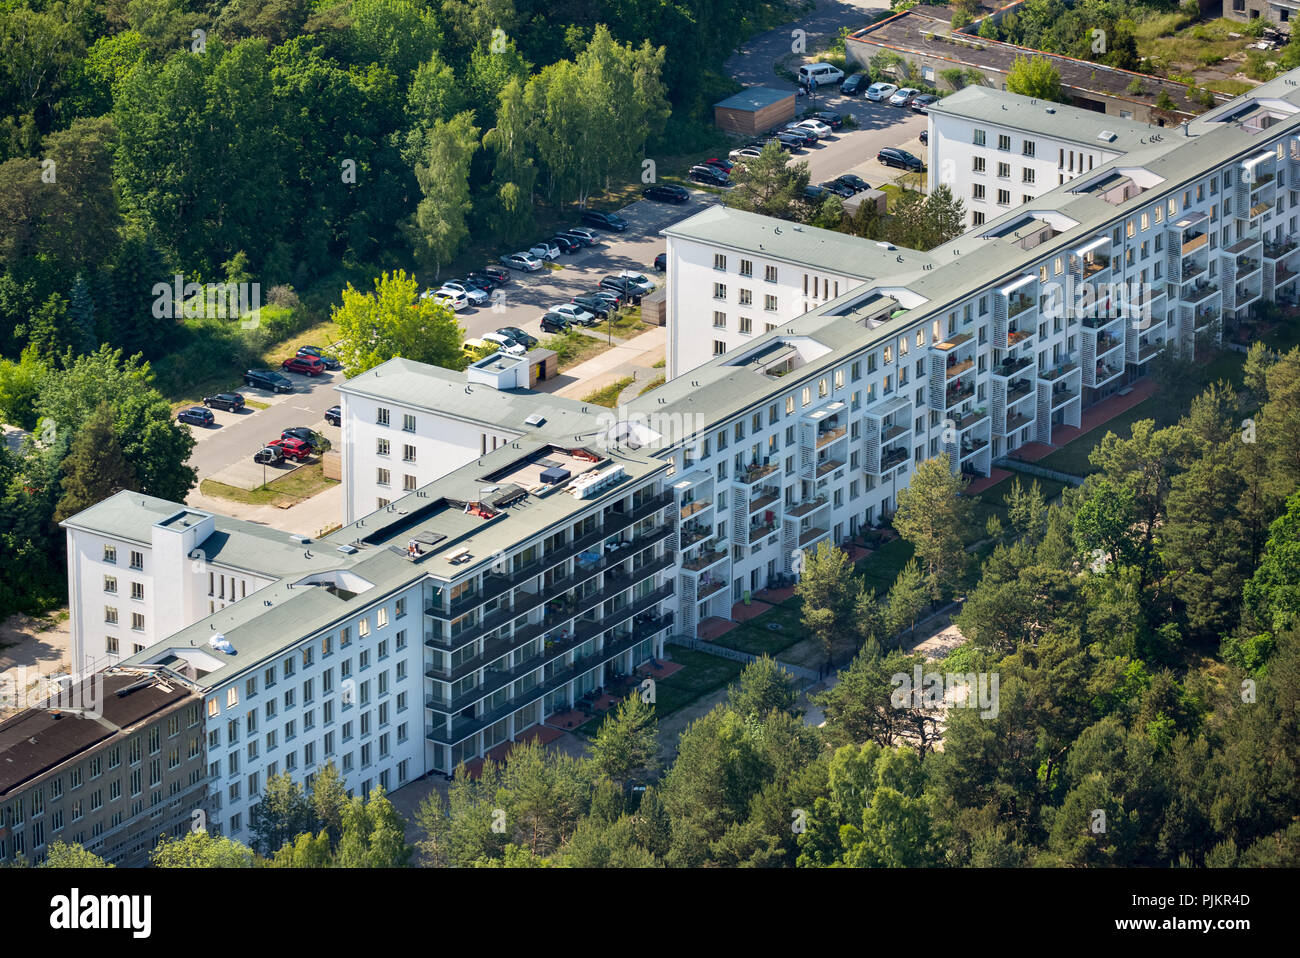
{"x":1034,"y":164}
{"x":703,"y":324}
{"x":440,"y":443}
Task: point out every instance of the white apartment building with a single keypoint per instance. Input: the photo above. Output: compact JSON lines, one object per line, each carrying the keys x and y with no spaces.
{"x":557,"y":563}
{"x":728,"y":294}
{"x":996,"y":149}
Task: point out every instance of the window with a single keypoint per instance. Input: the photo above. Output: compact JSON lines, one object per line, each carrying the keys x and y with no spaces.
{"x":110,"y":644}
{"x":1027,"y":175}
{"x":110,"y":584}
{"x":137,"y":590}
{"x":977,"y":219}
{"x":408,"y":422}
{"x":110,"y":615}
{"x":719,"y":290}
{"x":110,"y":554}
{"x":978,"y":138}
{"x":977,"y":191}
{"x":769,"y":273}
{"x":1004,"y":170}
{"x":381,"y":447}
{"x":746,"y":267}
{"x":746,"y":297}
{"x":137,"y":621}
{"x":408,"y":453}
{"x":1028,"y":149}
{"x":381,"y":416}
{"x":769,"y":303}
{"x":137,"y":560}
{"x":746,"y":325}
{"x":381,"y":476}
{"x":977,"y":164}
{"x":1004,"y":141}
{"x":719,"y":261}
{"x":719,"y":347}
{"x":719,"y":320}
{"x":1004,"y":197}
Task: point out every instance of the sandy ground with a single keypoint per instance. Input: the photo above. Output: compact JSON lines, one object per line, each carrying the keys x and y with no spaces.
{"x":30,"y":648}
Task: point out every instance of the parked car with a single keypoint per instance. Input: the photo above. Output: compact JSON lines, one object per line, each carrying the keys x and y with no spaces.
{"x":829,"y":117}
{"x":903,"y":96}
{"x":304,"y":365}
{"x":269,"y":456}
{"x":483,"y":281}
{"x":522,"y":261}
{"x":921,"y":104}
{"x":643,"y":282}
{"x":807,"y":137}
{"x":197,"y":416}
{"x":518,"y":335}
{"x":816,"y":127}
{"x":925,"y":137}
{"x":881,"y":91}
{"x":745,"y":152}
{"x":310,"y":437}
{"x":815,"y":194}
{"x":476,"y":295}
{"x":604,"y":221}
{"x":329,"y":361}
{"x":854,"y":84}
{"x":661,"y":262}
{"x":546,"y":250}
{"x":505,"y":344}
{"x":574,"y":314}
{"x":597,"y":305}
{"x":820,"y":74}
{"x":495,"y":273}
{"x":231,"y":402}
{"x":892,"y":156}
{"x":629,"y":290}
{"x":790,"y":141}
{"x":710,"y":175}
{"x":566,"y":244}
{"x":292,"y":448}
{"x":265,"y":379}
{"x":854,"y":182}
{"x":612,"y":298}
{"x":334,"y":415}
{"x":582,"y":235}
{"x":667,"y":193}
{"x":451,"y":296}
{"x":724,"y":165}
{"x":838,"y":188}
{"x":554,"y":323}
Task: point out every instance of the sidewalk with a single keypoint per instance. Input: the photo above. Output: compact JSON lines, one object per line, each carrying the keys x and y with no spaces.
{"x":624,"y":359}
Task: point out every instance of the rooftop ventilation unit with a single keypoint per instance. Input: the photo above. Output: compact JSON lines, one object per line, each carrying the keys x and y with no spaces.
{"x":349,"y":550}
{"x":1107,"y":136}
{"x":536,"y":419}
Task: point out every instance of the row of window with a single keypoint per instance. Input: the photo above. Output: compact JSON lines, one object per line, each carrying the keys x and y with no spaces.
{"x":383,"y":478}
{"x":746,"y":267}
{"x":746,"y":297}
{"x":383,"y":447}
{"x":382,"y":415}
{"x":110,"y":556}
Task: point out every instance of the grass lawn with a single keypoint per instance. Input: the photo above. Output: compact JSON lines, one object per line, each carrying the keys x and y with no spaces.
{"x":299,"y":484}
{"x":323,"y":335}
{"x":881,"y":568}
{"x":652,"y":384}
{"x":624,"y":323}
{"x":1073,"y":457}
{"x":608,"y":396}
{"x":1197,"y":45}
{"x":661,"y":364}
{"x":756,"y":638}
{"x":573,"y":347}
{"x":701,"y":675}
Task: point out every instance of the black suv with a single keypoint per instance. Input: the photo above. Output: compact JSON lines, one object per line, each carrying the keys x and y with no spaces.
{"x":231,"y":402}
{"x":667,"y":193}
{"x":604,"y":221}
{"x":265,"y":379}
{"x":311,"y":437}
{"x":709,"y":176}
{"x":334,"y":415}
{"x":892,"y":156}
{"x":627,"y":289}
{"x":592,"y":304}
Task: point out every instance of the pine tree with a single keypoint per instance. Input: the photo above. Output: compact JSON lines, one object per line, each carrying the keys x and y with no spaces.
{"x":80,"y":333}
{"x":95,"y":467}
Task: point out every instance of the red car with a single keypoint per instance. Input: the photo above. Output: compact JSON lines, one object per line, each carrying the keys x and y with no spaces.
{"x":294,"y":449}
{"x":307,"y":365}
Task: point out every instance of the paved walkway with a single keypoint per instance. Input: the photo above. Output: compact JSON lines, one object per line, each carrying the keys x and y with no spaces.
{"x":1098,"y":415}
{"x":622,"y":360}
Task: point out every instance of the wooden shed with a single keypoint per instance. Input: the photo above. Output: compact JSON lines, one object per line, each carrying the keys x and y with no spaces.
{"x":755,"y":110}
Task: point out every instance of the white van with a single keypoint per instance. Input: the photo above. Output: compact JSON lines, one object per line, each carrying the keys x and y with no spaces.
{"x":820,"y":73}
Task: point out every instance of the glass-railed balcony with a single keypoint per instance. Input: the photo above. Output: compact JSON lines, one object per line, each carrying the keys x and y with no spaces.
{"x":1012,"y":365}
{"x":958,"y":392}
{"x":807,"y":507}
{"x":709,"y":555}
{"x":754,"y":472}
{"x":1274,"y":251}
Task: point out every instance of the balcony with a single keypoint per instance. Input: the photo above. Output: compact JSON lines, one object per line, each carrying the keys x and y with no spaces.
{"x":955,"y":368}
{"x":1191,"y":270}
{"x":705,"y":559}
{"x":955,"y":394}
{"x":1094,"y":264}
{"x":767,"y":497}
{"x":695,"y":507}
{"x":1247,"y":265}
{"x":709,"y":588}
{"x":827,"y":465}
{"x":889,"y":458}
{"x":1149,"y":348}
{"x":1201,"y":293}
{"x":1015,"y":336}
{"x":1106,"y":342}
{"x":950,"y":344}
{"x":971,"y":418}
{"x":1019,"y":389}
{"x":1062,"y":395}
{"x":753,"y":473}
{"x":1105,"y":373}
{"x":827,"y":436}
{"x":1195,"y":242}
{"x":693,"y":533}
{"x":760,"y":531}
{"x":971,"y":446}
{"x":1063,"y":367}
{"x":806,"y":508}
{"x":1017,"y":305}
{"x":811,"y":535}
{"x":892,"y":432}
{"x":1012,"y":365}
{"x":1203,"y":318}
{"x":1016,"y":421}
{"x":1278,"y":250}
